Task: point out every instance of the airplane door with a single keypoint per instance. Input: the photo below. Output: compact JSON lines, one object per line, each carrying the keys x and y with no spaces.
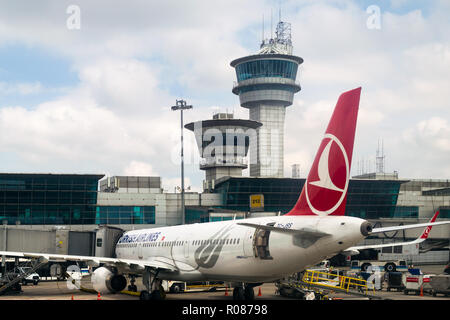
{"x":248,"y":242}
{"x":139,"y":251}
{"x":186,"y":248}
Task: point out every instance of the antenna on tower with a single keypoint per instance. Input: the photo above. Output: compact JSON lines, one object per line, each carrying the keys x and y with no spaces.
{"x":271,"y":24}
{"x":279,"y":11}
{"x":380,"y":158}
{"x":262,"y":40}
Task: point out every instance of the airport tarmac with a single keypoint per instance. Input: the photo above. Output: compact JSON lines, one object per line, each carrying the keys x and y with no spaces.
{"x":59,"y":290}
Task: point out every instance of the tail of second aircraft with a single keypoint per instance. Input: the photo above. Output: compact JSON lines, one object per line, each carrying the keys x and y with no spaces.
{"x":325,"y":190}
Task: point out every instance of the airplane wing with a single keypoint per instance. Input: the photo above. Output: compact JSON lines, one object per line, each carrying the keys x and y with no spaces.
{"x":409,"y":226}
{"x":298,"y":232}
{"x":384,"y":245}
{"x":420,"y":239}
{"x":153,"y":263}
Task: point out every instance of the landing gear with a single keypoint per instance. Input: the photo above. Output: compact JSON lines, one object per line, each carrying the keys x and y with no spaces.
{"x":238,"y":293}
{"x":144,"y":295}
{"x":249,"y":293}
{"x":154,"y":291}
{"x":244,"y":292}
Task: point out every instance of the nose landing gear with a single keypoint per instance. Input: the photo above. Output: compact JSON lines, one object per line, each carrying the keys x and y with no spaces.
{"x":245,"y":291}
{"x":154,"y":291}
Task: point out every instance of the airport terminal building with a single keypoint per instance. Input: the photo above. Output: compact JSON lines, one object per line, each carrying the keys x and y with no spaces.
{"x":74,"y":206}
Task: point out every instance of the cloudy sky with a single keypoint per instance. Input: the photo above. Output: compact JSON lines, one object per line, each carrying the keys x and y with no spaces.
{"x":87,"y":86}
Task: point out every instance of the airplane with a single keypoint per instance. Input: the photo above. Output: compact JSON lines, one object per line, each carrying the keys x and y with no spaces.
{"x":424,"y":236}
{"x":248,"y":252}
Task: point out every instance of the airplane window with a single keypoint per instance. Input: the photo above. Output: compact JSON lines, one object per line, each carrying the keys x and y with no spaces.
{"x":238,"y":241}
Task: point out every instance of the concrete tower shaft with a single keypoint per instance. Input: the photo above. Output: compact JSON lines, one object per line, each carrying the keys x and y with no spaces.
{"x":266,"y":84}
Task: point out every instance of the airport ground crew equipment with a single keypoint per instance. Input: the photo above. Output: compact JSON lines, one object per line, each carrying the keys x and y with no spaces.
{"x":338,"y":283}
{"x":295,"y":289}
{"x":413,"y":283}
{"x":394,"y":281}
{"x":12,"y":280}
{"x":440,"y":284}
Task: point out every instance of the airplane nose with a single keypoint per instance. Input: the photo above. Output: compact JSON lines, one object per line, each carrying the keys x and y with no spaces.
{"x":366,"y":228}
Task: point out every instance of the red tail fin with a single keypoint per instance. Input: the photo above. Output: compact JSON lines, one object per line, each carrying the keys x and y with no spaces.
{"x":427,"y":230}
{"x":325,"y":190}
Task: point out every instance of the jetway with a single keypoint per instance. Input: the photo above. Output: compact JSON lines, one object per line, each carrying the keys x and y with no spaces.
{"x":99,"y":242}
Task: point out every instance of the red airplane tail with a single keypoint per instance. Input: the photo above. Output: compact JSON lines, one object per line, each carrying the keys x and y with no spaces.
{"x":427,"y":230}
{"x":325,"y":190}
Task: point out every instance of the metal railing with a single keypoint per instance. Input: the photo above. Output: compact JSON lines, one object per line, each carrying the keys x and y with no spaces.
{"x":335,"y":281}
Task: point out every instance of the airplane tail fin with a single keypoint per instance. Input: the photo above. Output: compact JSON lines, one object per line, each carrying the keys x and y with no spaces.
{"x":325,"y":190}
{"x":427,"y":230}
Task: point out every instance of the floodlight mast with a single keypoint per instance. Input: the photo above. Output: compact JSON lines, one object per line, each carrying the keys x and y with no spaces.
{"x":181,"y":105}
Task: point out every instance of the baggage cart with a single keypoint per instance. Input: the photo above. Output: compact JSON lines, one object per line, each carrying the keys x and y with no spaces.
{"x":413,"y":283}
{"x":395,"y":281}
{"x":440,"y":284}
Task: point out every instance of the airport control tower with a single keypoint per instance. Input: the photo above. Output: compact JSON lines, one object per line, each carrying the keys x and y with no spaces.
{"x":223,"y":143}
{"x":266,"y":86}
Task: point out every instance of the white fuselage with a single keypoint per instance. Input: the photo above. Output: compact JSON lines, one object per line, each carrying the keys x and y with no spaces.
{"x":231,"y":252}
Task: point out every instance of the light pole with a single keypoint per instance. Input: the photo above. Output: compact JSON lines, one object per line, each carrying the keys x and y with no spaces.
{"x":181,"y":105}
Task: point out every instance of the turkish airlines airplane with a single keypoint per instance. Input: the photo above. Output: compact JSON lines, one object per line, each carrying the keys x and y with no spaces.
{"x":251,"y":251}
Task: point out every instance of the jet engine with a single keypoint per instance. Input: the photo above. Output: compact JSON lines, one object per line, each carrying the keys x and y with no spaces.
{"x":104,"y":280}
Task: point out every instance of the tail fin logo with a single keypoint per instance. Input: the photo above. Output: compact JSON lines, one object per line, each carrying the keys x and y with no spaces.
{"x":328,"y":187}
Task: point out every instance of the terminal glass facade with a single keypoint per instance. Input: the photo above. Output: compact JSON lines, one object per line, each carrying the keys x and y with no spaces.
{"x":266,"y":68}
{"x":368,"y":199}
{"x":444,"y":212}
{"x":373,"y":199}
{"x":271,"y":86}
{"x":125,"y":215}
{"x":196,"y":215}
{"x":45,"y":199}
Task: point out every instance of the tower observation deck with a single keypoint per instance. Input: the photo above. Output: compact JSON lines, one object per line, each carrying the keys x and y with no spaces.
{"x":223,"y":144}
{"x":266,"y":84}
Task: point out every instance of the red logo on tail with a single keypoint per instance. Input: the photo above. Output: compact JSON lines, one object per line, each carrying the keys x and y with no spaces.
{"x":325,"y":191}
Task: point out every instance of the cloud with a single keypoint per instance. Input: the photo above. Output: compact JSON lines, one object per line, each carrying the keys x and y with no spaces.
{"x":137,"y":168}
{"x":134,"y":61}
{"x":20,"y":88}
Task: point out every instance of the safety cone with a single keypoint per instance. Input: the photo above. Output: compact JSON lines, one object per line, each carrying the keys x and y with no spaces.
{"x":226,"y":291}
{"x":99,"y":296}
{"x":421,"y":291}
{"x":259,"y":292}
{"x":72,"y":297}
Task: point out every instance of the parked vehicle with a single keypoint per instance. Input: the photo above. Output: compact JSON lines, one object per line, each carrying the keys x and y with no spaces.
{"x":179,"y":286}
{"x":32,"y":278}
{"x":388,"y":266}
